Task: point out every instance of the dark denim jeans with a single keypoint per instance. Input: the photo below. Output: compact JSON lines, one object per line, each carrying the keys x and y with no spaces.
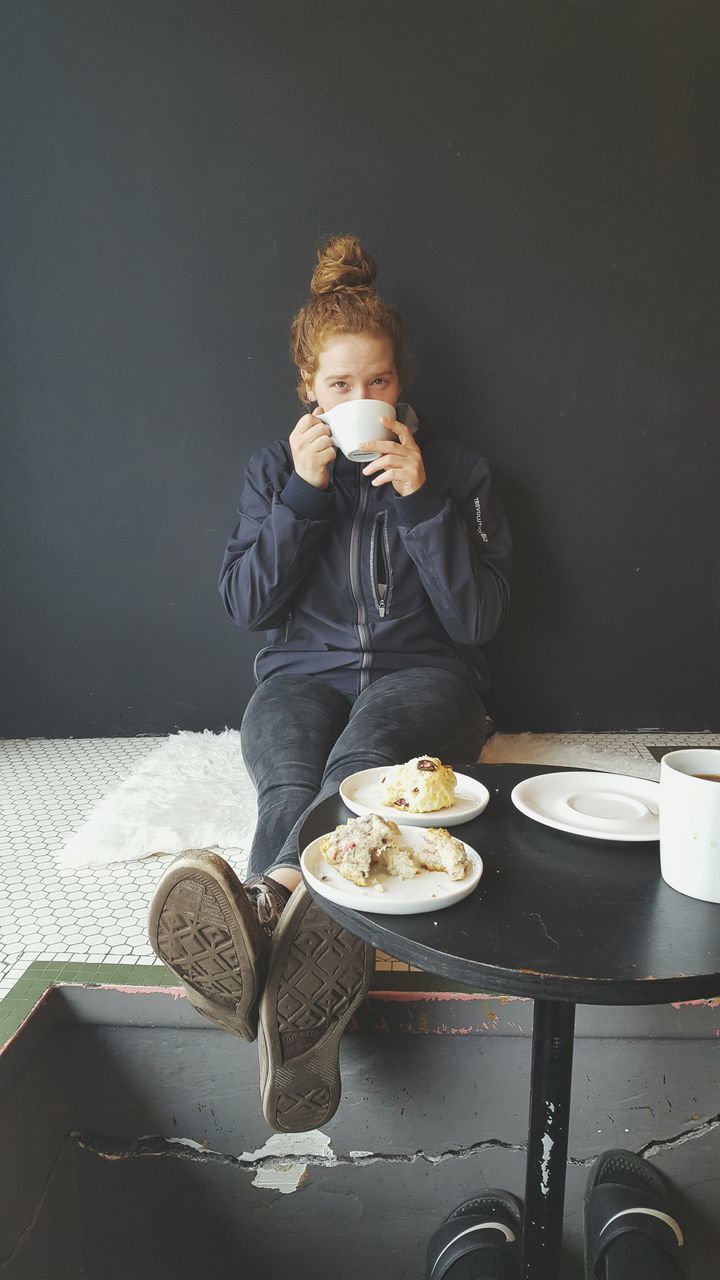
{"x":300,"y":738}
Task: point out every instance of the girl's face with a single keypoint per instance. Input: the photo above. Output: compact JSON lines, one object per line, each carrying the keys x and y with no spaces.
{"x":354,"y":367}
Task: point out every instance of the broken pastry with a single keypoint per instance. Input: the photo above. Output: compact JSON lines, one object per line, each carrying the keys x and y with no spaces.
{"x":370,"y":844}
{"x":399,"y":862}
{"x":442,"y":852}
{"x":358,"y":844}
{"x":422,"y":785}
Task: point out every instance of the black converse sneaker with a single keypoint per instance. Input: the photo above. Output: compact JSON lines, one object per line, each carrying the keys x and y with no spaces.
{"x":318,"y":975}
{"x":214,"y":933}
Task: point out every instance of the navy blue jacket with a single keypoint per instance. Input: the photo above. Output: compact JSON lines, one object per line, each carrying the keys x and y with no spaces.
{"x":351,"y":583}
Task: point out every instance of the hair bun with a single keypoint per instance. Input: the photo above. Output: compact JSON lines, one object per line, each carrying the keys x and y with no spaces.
{"x":342,"y":264}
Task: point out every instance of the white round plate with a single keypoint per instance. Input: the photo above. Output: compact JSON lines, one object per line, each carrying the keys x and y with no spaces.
{"x":428,"y":891}
{"x":362,"y":793}
{"x":607,"y":806}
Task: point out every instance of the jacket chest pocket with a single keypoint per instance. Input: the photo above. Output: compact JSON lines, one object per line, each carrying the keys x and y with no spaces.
{"x":381,"y":574}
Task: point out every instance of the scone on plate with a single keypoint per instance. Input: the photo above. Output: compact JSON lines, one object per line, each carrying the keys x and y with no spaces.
{"x":422,"y":785}
{"x":356,"y":846}
{"x":442,"y":852}
{"x":399,"y":862}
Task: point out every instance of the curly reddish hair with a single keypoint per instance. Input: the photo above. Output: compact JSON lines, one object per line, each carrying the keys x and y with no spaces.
{"x":342,"y":300}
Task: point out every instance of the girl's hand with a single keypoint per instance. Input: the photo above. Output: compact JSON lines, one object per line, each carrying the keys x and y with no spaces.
{"x":401,"y":461}
{"x":312,"y":450}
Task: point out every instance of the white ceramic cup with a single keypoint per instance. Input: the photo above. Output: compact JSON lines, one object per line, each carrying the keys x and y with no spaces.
{"x":355,"y":421}
{"x":690,"y":822}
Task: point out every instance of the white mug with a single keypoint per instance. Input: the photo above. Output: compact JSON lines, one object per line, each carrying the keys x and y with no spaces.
{"x":355,"y":421}
{"x":690,"y":822}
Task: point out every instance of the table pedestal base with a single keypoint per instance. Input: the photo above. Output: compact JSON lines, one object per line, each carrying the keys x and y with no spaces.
{"x":552,"y":1056}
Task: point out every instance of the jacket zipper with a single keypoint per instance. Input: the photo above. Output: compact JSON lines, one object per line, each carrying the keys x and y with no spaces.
{"x":355,"y":587}
{"x":380,"y":550}
{"x":259,"y":655}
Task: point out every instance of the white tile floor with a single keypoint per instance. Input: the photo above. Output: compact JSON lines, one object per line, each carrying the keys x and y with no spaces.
{"x":47,"y":789}
{"x":97,"y":915}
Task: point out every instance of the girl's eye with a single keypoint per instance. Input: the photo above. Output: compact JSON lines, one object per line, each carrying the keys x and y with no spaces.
{"x":340,"y":384}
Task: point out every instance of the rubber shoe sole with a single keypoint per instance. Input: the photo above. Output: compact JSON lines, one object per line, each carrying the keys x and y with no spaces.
{"x":204,"y":928}
{"x":319,"y":974}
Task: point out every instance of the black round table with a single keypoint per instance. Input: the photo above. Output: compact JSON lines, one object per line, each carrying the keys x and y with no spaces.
{"x":565,"y":920}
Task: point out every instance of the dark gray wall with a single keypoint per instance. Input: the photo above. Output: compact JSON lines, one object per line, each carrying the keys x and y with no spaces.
{"x":539,"y":184}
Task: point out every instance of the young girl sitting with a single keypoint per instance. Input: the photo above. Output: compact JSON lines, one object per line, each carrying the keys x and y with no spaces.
{"x":377,"y":586}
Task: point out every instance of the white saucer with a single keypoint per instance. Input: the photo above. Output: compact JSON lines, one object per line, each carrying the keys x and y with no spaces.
{"x":362,"y":793}
{"x":429,"y":891}
{"x":607,"y":806}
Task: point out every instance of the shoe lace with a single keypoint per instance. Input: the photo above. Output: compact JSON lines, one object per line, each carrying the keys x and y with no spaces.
{"x":268,"y":904}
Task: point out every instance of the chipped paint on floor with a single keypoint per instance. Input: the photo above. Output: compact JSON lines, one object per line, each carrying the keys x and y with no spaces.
{"x":287,"y":1169}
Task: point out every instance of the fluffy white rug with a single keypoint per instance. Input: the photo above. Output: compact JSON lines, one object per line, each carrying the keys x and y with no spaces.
{"x":193,"y":792}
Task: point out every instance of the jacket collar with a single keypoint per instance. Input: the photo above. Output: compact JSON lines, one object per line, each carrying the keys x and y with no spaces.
{"x":407,"y":415}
